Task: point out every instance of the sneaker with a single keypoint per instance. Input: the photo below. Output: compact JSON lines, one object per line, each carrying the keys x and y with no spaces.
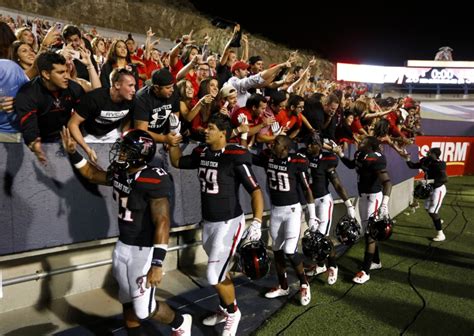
{"x":375,"y":266}
{"x":219,"y":317}
{"x":185,"y":327}
{"x":232,"y":323}
{"x":361,"y":277}
{"x":439,"y":237}
{"x":277,"y":292}
{"x":332,"y":276}
{"x":305,"y":295}
{"x":315,"y":270}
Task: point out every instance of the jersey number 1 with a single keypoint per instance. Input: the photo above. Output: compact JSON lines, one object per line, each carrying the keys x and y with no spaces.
{"x":123,"y":213}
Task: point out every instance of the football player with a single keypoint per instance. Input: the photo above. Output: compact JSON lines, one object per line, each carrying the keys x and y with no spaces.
{"x":374,"y":188}
{"x":284,"y":172}
{"x":435,"y":174}
{"x":221,"y":170}
{"x":142,"y":193}
{"x":322,"y":166}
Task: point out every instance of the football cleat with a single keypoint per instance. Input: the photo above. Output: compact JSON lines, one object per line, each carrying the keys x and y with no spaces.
{"x":232,"y":323}
{"x":315,"y":270}
{"x":185,"y":327}
{"x":440,"y":236}
{"x":375,"y":266}
{"x":361,"y":277}
{"x":305,"y":295}
{"x":218,"y":317}
{"x":277,"y":292}
{"x":332,"y":275}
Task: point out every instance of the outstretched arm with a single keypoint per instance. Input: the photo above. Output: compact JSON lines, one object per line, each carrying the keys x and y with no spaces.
{"x":89,"y":171}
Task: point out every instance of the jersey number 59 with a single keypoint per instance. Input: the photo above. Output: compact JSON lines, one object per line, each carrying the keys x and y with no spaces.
{"x":208,"y":178}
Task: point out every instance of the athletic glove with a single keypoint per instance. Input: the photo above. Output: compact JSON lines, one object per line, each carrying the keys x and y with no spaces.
{"x":175,"y":124}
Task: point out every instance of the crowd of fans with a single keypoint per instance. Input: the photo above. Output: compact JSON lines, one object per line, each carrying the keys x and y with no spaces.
{"x":55,"y":76}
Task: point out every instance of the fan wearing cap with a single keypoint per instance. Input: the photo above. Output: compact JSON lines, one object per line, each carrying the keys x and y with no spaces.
{"x":435,"y":174}
{"x":154,"y":104}
{"x":242,"y":83}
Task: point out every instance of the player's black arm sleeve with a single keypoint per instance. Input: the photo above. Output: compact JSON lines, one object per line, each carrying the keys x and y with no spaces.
{"x":413,"y":165}
{"x":348,"y":162}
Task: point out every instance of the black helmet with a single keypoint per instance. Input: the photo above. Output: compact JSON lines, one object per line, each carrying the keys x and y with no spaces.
{"x":135,"y":148}
{"x":423,"y":190}
{"x":254,"y":260}
{"x":316,"y":246}
{"x":380,"y":228}
{"x":347,"y":230}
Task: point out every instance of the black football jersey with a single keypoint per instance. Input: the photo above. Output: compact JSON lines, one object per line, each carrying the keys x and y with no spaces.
{"x":367,"y":166}
{"x":221,"y":173}
{"x":320,"y":171}
{"x":283,"y":176}
{"x":434,"y":170}
{"x":133,"y":193}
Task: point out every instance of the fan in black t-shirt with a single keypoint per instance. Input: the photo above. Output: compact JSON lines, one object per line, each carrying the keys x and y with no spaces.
{"x":155,"y":103}
{"x":103,"y":113}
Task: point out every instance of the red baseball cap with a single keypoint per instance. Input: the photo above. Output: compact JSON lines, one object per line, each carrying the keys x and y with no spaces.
{"x":239,"y":65}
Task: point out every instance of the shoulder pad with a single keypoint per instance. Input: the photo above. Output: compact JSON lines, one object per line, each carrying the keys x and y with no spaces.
{"x":152,"y":177}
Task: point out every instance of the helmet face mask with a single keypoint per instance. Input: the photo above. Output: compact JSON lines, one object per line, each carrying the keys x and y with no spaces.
{"x":135,"y":148}
{"x":348,"y":230}
{"x":422,"y":191}
{"x":316,"y":246}
{"x":253,"y":259}
{"x":380,"y":228}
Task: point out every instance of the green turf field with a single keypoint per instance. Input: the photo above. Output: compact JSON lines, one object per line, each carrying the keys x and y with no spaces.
{"x":424,"y":288}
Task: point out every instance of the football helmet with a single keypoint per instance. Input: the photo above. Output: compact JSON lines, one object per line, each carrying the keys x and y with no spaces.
{"x":316,"y":246}
{"x":253,"y":259}
{"x":348,"y":230}
{"x":422,"y":190}
{"x":380,"y":228}
{"x":135,"y":148}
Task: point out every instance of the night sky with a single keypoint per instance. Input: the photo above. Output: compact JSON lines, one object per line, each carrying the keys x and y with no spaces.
{"x":398,"y":32}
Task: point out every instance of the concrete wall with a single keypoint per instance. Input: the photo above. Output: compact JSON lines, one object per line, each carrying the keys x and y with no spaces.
{"x":67,"y":222}
{"x":43,"y":207}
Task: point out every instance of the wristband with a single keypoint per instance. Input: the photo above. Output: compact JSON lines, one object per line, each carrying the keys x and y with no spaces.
{"x":77,"y":160}
{"x":159,"y":254}
{"x":312,"y":210}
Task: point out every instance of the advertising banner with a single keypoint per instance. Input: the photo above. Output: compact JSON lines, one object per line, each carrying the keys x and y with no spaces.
{"x":458,"y":152}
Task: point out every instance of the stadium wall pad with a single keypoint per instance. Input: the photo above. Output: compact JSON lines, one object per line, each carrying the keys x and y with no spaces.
{"x":51,"y":221}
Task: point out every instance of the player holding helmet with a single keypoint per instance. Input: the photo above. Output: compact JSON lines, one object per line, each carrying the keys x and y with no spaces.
{"x":374,"y":189}
{"x":142,"y":193}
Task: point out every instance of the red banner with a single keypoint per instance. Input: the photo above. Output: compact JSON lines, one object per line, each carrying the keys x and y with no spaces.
{"x":458,"y":152}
